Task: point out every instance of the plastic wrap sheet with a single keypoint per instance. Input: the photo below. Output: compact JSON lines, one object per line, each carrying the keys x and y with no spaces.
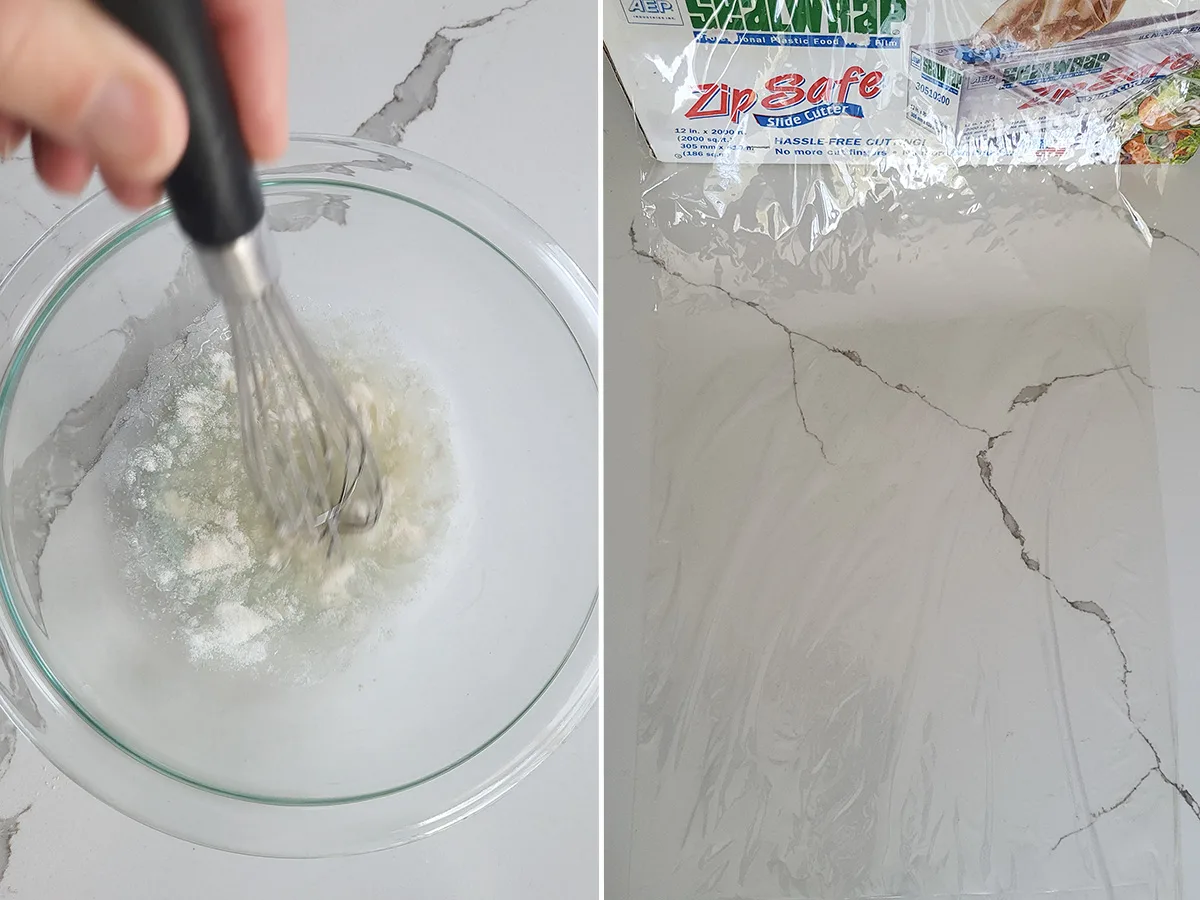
{"x":906,"y":630}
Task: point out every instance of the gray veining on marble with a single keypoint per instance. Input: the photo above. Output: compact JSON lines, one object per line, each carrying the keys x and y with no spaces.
{"x":418,"y":92}
{"x":8,"y":830}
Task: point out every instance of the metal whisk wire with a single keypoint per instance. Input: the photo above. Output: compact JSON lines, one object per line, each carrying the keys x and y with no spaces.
{"x":306,"y":452}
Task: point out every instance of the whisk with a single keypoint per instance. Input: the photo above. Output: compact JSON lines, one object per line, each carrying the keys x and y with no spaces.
{"x":306,"y":452}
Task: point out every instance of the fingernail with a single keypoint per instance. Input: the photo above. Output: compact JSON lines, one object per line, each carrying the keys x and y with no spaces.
{"x":11,"y":138}
{"x":119,"y":124}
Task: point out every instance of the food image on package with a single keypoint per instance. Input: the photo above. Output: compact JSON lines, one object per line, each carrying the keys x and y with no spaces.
{"x":983,"y":82}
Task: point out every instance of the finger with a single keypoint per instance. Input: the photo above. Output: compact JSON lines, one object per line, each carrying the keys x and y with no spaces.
{"x":1065,"y":21}
{"x":984,"y":39}
{"x":252,"y":35}
{"x":12,"y":134}
{"x":1025,"y":31}
{"x":1007,"y":15}
{"x":136,"y":195}
{"x":1072,"y":25}
{"x":69,"y":71}
{"x":1062,"y":21}
{"x":1057,"y":12}
{"x":64,"y":169}
{"x":995,"y":31}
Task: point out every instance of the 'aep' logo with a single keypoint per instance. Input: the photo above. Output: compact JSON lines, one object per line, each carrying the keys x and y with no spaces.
{"x":652,"y":12}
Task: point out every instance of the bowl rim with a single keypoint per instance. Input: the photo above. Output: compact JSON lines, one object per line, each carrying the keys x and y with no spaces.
{"x":48,"y":714}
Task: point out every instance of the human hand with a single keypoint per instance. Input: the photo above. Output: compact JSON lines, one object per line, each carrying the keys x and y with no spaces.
{"x":94,"y":96}
{"x":1040,"y":24}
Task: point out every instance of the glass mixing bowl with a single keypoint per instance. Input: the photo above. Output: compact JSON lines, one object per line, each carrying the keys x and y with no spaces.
{"x":452,"y":694}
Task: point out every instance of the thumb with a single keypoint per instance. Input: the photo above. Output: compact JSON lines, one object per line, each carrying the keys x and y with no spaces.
{"x":70,"y":72}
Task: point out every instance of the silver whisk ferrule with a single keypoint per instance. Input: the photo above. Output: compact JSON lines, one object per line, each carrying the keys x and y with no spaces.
{"x":307,"y":454}
{"x":244,"y":270}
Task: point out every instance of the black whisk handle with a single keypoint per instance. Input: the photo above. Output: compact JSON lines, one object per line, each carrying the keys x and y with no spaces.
{"x":214,"y":190}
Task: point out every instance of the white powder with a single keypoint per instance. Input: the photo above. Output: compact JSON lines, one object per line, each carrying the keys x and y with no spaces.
{"x":232,"y":636}
{"x":228,"y":551}
{"x":200,"y":551}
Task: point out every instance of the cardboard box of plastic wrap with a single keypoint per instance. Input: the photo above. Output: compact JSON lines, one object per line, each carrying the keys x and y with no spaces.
{"x":1123,"y":94}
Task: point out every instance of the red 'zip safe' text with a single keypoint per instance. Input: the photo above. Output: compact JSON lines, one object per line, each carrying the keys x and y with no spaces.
{"x":718,"y":100}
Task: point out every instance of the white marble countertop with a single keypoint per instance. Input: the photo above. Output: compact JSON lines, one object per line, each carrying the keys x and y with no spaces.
{"x":457,"y":81}
{"x":710,"y":423}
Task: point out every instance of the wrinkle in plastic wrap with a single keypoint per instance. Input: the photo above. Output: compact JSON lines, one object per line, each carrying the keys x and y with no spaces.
{"x":906,"y":631}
